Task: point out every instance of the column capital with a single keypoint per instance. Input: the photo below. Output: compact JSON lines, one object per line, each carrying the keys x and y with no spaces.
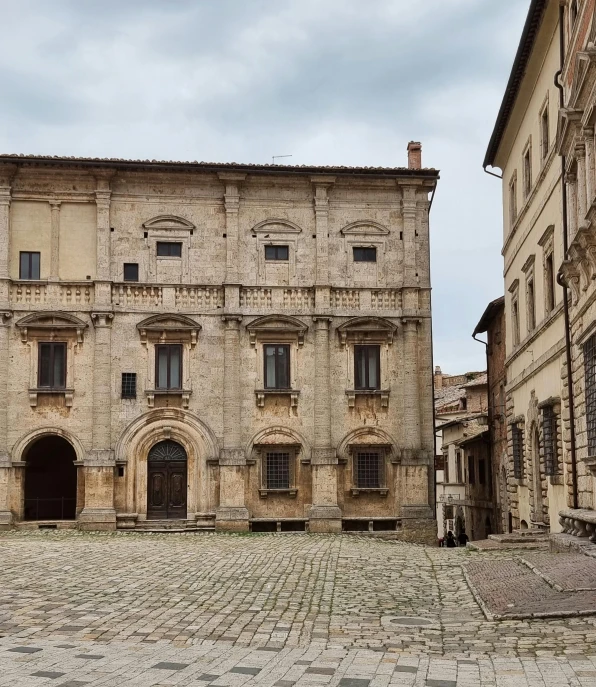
{"x":232,"y":321}
{"x":55,"y":205}
{"x":102,"y":319}
{"x":580,"y":150}
{"x":322,"y":322}
{"x":409,"y":320}
{"x":5,"y":315}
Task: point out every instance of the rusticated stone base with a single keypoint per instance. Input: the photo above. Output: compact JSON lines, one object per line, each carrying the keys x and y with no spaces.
{"x":6,"y":520}
{"x":419,"y":530}
{"x":228,"y":519}
{"x":325,"y":519}
{"x":97,"y":520}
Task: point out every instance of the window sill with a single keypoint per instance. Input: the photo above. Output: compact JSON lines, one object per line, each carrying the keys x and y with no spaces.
{"x":262,"y":393}
{"x":152,"y":393}
{"x":264,"y":493}
{"x":383,"y":394}
{"x":381,"y":491}
{"x":67,"y":393}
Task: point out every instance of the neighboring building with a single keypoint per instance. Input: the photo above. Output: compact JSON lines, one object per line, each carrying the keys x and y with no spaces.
{"x":492,"y":323}
{"x":523,"y":146}
{"x":459,"y":400}
{"x":575,"y":142}
{"x":465,"y":494}
{"x":238,"y":346}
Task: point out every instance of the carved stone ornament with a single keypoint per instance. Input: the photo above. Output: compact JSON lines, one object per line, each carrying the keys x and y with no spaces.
{"x":276,"y":324}
{"x":168,"y":222}
{"x":158,"y":327}
{"x":51,"y":325}
{"x":367,"y":329}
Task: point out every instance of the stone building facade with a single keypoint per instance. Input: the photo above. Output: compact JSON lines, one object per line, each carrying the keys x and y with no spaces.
{"x":524,"y":146}
{"x":221,"y":345}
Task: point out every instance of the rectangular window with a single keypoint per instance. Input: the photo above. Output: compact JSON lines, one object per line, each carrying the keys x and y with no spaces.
{"x":481,"y":471}
{"x":458,"y":467}
{"x":513,"y":200}
{"x":368,"y":470}
{"x":277,"y":366}
{"x":544,"y":134}
{"x":362,"y":254}
{"x":446,"y":468}
{"x":471,"y":470}
{"x":527,"y":171}
{"x":549,"y":283}
{"x":29,"y":265}
{"x":515,"y":322}
{"x":277,"y":469}
{"x":169,"y":249}
{"x":131,"y":271}
{"x":367,"y":367}
{"x":549,"y":440}
{"x":51,"y":371}
{"x":168,"y":366}
{"x":518,"y":452}
{"x":531,"y":305}
{"x":277,"y":253}
{"x":590,"y":381}
{"x":129,"y":385}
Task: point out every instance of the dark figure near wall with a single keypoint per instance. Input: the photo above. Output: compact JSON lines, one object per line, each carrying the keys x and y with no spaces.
{"x":450,"y":540}
{"x":463,"y":538}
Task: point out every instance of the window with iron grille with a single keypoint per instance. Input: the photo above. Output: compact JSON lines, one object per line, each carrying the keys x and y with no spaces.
{"x":129,"y":385}
{"x":549,"y":440}
{"x":518,"y":455}
{"x":368,"y":470}
{"x":277,"y":469}
{"x":590,"y":379}
{"x":51,"y":371}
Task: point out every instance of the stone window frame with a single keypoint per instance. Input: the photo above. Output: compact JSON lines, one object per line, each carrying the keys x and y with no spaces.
{"x":365,"y":234}
{"x":544,"y":115}
{"x":527,"y":169}
{"x":168,"y":329}
{"x":260,"y":455}
{"x":530,"y":287}
{"x":386,"y":456}
{"x":276,"y":329}
{"x":367,"y":331}
{"x":519,"y":423}
{"x":55,"y":327}
{"x":513,"y":209}
{"x":515,"y":320}
{"x":554,"y":403}
{"x":546,"y":242}
{"x":168,"y":229}
{"x":276,"y":232}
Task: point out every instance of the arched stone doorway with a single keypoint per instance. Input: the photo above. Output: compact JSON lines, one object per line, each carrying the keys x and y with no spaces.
{"x":166,"y":481}
{"x":50,"y":480}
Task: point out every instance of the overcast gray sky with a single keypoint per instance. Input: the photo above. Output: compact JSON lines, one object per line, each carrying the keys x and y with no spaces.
{"x":345,"y":82}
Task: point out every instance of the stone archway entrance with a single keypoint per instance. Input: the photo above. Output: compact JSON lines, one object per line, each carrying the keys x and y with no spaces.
{"x":50,"y":480}
{"x":166,"y":481}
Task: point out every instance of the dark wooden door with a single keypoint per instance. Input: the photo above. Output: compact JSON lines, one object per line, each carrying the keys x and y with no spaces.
{"x":166,"y":481}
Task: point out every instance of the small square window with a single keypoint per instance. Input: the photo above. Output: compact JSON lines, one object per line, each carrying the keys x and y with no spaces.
{"x":362,"y":254}
{"x":169,"y":249}
{"x":277,"y":253}
{"x":29,"y":265}
{"x":129,"y":385}
{"x":131,"y":271}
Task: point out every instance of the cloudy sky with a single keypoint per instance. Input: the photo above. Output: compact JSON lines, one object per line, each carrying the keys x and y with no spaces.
{"x":346,"y":82}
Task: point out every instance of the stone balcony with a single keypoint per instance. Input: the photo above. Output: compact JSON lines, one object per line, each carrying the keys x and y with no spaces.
{"x":579,"y":522}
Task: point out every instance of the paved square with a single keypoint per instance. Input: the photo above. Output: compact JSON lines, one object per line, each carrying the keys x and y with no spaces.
{"x":295,"y":609}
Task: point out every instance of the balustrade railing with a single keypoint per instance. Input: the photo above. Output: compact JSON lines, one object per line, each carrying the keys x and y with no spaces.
{"x":580,"y":522}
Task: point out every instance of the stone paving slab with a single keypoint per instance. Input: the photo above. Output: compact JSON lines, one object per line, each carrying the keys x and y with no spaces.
{"x":510,"y":589}
{"x":564,"y":571}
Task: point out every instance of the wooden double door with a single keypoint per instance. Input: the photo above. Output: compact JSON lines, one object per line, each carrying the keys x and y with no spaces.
{"x":167,"y":466}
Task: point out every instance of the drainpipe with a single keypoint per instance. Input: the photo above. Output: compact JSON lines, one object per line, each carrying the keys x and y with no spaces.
{"x":491,"y":456}
{"x":565,"y":289}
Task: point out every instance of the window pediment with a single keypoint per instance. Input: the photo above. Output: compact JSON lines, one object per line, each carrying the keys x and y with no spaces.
{"x":51,"y":325}
{"x":276,"y":325}
{"x":276,"y":226}
{"x":364,"y":228}
{"x":160,"y":327}
{"x":367,"y":329}
{"x":168,"y":222}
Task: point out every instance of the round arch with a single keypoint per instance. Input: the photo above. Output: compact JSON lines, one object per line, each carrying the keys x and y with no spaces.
{"x":161,"y":424}
{"x":278,"y":434}
{"x":367,"y":435}
{"x":21,"y":447}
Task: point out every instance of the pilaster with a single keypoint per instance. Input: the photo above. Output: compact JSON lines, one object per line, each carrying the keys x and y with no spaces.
{"x":55,"y":240}
{"x":103,"y":196}
{"x":232,"y":513}
{"x":580,"y":154}
{"x":325,"y":514}
{"x":590,"y":165}
{"x":321,"y":205}
{"x":6,"y":516}
{"x":409,"y":213}
{"x":6,"y":174}
{"x":232,"y":206}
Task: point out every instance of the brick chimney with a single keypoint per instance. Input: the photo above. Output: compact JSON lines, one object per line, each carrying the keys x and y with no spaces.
{"x":414,"y":155}
{"x":438,"y":378}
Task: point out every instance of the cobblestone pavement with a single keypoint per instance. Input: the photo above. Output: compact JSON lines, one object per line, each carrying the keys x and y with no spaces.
{"x":206,"y":609}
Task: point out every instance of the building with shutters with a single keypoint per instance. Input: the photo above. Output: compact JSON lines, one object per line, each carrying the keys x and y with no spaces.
{"x":203,"y":345}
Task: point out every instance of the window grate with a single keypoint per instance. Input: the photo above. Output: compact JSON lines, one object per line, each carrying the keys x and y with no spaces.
{"x":590,"y":377}
{"x":278,"y":470}
{"x":368,"y":470}
{"x":549,"y":440}
{"x":518,"y":464}
{"x":129,"y":385}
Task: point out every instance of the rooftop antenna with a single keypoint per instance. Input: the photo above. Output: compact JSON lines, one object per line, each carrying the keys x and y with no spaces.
{"x":275,"y":157}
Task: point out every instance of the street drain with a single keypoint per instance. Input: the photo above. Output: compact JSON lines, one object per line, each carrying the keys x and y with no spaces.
{"x":411,"y":621}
